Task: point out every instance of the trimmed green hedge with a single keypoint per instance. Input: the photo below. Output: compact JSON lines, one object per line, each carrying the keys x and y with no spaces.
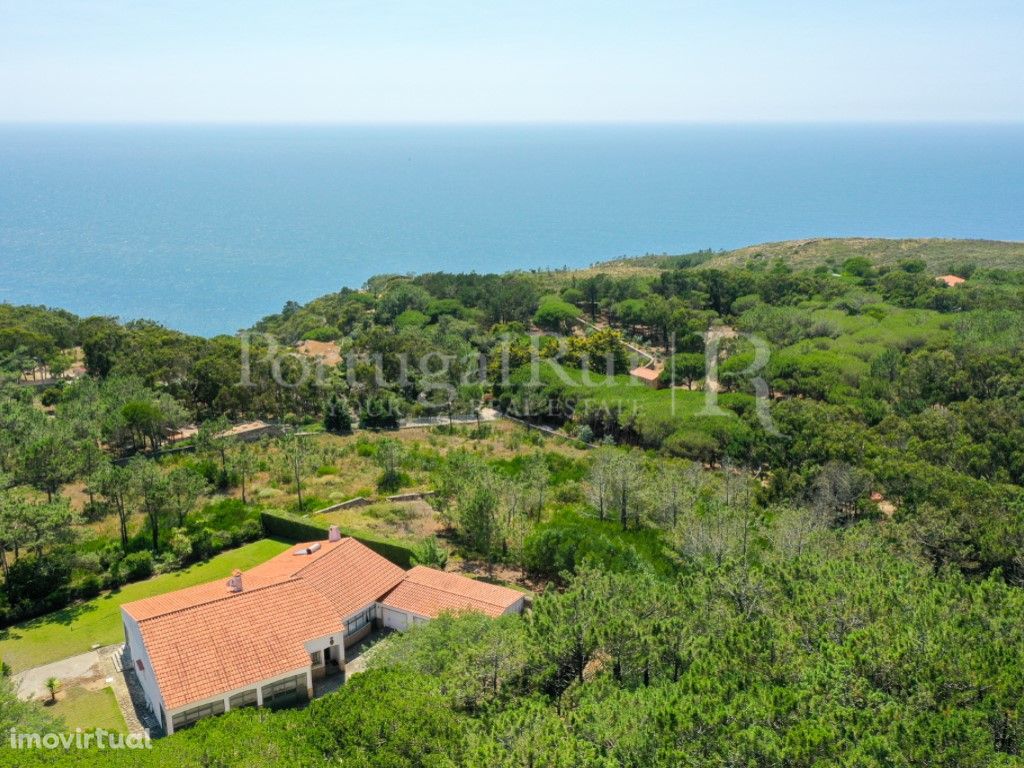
{"x":286,"y":526}
{"x":278,"y":524}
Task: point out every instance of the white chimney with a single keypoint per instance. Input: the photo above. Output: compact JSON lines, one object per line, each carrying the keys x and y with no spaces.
{"x":333,"y":534}
{"x":235,"y":582}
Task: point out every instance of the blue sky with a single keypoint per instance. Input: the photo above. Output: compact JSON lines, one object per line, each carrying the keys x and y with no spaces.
{"x":527,"y":60}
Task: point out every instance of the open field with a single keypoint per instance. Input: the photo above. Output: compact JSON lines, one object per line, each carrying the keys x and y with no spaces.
{"x":939,"y":254}
{"x":77,"y":628}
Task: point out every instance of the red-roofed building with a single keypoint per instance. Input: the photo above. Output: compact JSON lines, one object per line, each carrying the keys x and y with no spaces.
{"x":261,"y":638}
{"x":648,"y":376}
{"x":951,"y":281}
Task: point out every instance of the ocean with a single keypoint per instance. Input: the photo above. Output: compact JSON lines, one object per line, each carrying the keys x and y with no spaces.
{"x":208,"y":228}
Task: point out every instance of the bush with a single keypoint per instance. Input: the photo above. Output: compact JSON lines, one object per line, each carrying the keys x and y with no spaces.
{"x":221,"y":540}
{"x":338,"y":416}
{"x":135,"y":567}
{"x":181,"y":546}
{"x":389,"y":482}
{"x":382,"y":410}
{"x":250,"y":530}
{"x":32,"y":581}
{"x":95,"y":510}
{"x":429,"y":552}
{"x":88,"y":587}
{"x":52,"y":395}
{"x":203,"y":545}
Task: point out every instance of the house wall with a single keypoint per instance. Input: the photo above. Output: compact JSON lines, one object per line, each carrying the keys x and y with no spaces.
{"x":226,"y":696}
{"x":401,"y":620}
{"x":355,"y":634}
{"x":321,"y":644}
{"x":516,"y":607}
{"x":137,"y":649}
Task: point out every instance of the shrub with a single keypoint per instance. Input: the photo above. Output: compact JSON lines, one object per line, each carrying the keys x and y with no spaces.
{"x":135,"y":567}
{"x":181,"y":546}
{"x":221,"y":540}
{"x":250,"y":530}
{"x":391,"y":481}
{"x":429,"y":552}
{"x":88,"y":587}
{"x":51,"y":396}
{"x":338,"y":416}
{"x":95,"y":510}
{"x":32,"y":581}
{"x":203,"y":544}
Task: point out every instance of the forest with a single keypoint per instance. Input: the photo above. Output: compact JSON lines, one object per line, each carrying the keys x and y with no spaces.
{"x":824,"y":569}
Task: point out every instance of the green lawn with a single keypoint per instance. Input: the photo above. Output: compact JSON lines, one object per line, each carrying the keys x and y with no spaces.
{"x":76,"y":628}
{"x":81,"y":708}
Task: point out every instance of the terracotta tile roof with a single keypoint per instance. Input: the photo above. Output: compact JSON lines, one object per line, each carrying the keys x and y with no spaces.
{"x":205,"y":640}
{"x":951,"y":280}
{"x":427,"y":592}
{"x":647,"y":374}
{"x":236,"y":641}
{"x":351,"y":575}
{"x":279,"y":568}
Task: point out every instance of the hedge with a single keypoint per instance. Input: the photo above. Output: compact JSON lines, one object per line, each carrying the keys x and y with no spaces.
{"x":294,"y":528}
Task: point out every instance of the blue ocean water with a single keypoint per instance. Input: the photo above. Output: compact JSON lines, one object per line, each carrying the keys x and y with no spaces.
{"x":207,"y":229}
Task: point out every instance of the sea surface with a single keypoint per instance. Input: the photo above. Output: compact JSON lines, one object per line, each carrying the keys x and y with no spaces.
{"x":207,"y":229}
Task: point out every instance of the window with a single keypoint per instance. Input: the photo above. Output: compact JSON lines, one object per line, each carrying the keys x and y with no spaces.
{"x":243,"y":699}
{"x":316,"y":658}
{"x":189,"y":717}
{"x":360,"y":620}
{"x":139,"y":665}
{"x":285,"y":693}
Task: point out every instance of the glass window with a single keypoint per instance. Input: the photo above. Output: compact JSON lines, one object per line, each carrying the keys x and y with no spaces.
{"x":285,"y":693}
{"x":243,"y":699}
{"x":316,"y":658}
{"x":190,"y":716}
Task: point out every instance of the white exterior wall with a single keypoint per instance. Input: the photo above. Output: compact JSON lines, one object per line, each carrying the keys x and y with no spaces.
{"x":226,"y":697}
{"x":395,"y":618}
{"x":516,"y":607}
{"x":336,"y":640}
{"x":137,"y":649}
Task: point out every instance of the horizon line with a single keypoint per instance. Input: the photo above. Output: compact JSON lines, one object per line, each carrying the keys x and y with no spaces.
{"x":185,"y":122}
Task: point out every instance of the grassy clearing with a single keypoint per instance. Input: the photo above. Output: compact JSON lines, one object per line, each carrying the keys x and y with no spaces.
{"x":81,"y":708}
{"x":405,"y":523}
{"x":625,"y":393}
{"x":76,"y":628}
{"x":939,"y":254}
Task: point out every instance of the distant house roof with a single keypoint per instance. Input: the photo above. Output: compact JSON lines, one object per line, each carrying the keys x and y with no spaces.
{"x":951,"y":280}
{"x":206,"y":639}
{"x":428,"y":592}
{"x":647,"y":374}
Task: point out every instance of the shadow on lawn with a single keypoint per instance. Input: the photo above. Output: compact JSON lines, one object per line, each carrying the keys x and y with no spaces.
{"x":66,"y":616}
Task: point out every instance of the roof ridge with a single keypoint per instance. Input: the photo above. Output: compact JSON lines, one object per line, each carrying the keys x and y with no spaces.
{"x":322,"y":557}
{"x":182,"y":609}
{"x":448,"y":591}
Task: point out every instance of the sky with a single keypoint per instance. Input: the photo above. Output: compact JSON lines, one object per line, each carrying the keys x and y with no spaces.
{"x":370,"y":61}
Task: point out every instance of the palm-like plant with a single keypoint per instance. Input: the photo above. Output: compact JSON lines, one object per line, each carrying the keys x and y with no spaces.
{"x":53,"y":685}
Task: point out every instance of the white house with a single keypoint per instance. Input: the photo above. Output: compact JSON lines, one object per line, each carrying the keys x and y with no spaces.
{"x":264,"y":636}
